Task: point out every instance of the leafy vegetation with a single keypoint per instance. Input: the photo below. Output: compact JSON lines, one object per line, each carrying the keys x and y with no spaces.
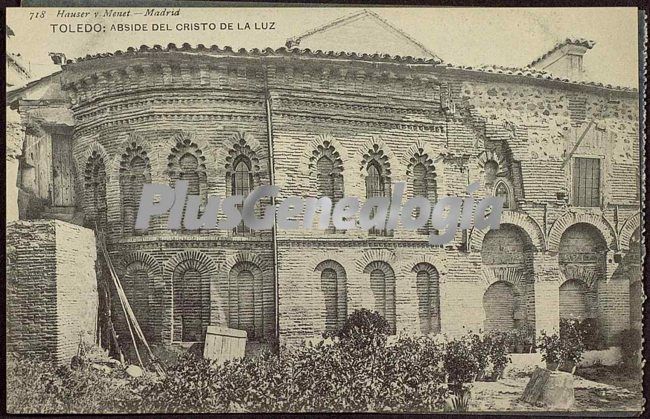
{"x":359,"y":369}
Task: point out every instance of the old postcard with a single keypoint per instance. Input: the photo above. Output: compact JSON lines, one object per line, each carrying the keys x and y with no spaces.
{"x":324,"y":209}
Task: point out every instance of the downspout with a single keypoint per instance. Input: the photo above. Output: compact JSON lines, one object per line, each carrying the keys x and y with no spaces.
{"x":274,"y":235}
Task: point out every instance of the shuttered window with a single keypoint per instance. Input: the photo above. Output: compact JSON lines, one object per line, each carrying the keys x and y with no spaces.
{"x":133,"y":176}
{"x":246,"y":302}
{"x":329,"y":181}
{"x":586,"y":182}
{"x":375,"y":187}
{"x":428,"y":300}
{"x":425,"y":186}
{"x":242,"y":184}
{"x":383,"y":290}
{"x":136,"y":288}
{"x":188,"y":302}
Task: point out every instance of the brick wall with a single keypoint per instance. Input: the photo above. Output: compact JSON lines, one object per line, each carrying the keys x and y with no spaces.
{"x":528,"y":127}
{"x":51,"y":288}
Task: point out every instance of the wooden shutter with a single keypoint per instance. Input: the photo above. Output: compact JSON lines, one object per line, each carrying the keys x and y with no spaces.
{"x":586,"y":182}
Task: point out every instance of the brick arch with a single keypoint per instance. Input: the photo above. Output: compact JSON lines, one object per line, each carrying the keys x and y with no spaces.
{"x":492,"y":155}
{"x":131,"y":181}
{"x":143,"y":294}
{"x":438,"y":261}
{"x":497,"y":310}
{"x":375,"y":147}
{"x":514,"y":276}
{"x":324,"y":148}
{"x":570,"y":218}
{"x":97,"y":170}
{"x":418,"y":147}
{"x":428,"y":297}
{"x":307,"y":161}
{"x":524,"y":221}
{"x":373,"y":255}
{"x":152,"y":264}
{"x":243,"y":256}
{"x":588,"y":275}
{"x":184,"y":143}
{"x":242,"y":145}
{"x":191,"y":259}
{"x":630,"y":226}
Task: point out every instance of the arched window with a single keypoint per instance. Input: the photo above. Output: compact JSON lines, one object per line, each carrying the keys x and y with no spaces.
{"x":424,"y":182}
{"x":428,"y":291}
{"x":501,"y":190}
{"x":382,"y":285}
{"x":136,"y":284}
{"x":333,"y":285}
{"x":134,"y":173}
{"x":242,"y":184}
{"x":329,"y":172}
{"x":375,"y":186}
{"x":250,"y":302}
{"x":191,"y":303}
{"x":491,"y":170}
{"x":95,"y":184}
{"x":186,"y":162}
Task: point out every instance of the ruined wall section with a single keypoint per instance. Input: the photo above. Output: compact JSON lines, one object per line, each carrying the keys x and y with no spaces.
{"x":51,"y":288}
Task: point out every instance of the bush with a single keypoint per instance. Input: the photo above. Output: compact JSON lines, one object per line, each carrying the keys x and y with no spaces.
{"x":358,"y":372}
{"x":565,"y":348}
{"x":588,"y":331}
{"x":42,"y":387}
{"x":631,"y":342}
{"x":365,"y":328}
{"x":461,"y":362}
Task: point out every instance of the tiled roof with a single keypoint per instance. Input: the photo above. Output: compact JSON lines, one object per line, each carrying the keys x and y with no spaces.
{"x":270,"y":52}
{"x":282,"y":51}
{"x":537,"y":74}
{"x":569,"y":41}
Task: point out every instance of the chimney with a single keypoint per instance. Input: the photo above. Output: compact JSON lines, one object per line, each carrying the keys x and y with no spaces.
{"x":565,"y":59}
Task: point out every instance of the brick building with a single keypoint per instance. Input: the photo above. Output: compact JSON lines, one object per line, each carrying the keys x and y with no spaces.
{"x":565,"y":154}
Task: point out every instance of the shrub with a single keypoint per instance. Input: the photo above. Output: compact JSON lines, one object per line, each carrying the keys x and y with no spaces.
{"x":460,"y":362}
{"x":590,"y":332}
{"x":631,"y":342}
{"x":365,"y":329}
{"x":359,"y":372}
{"x":567,"y":347}
{"x":41,"y":387}
{"x":497,"y":353}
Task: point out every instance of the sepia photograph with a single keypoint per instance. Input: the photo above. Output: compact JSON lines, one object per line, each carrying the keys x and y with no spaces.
{"x":308,"y":209}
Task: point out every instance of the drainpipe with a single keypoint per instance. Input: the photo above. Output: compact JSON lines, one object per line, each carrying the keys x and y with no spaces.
{"x":274,"y":231}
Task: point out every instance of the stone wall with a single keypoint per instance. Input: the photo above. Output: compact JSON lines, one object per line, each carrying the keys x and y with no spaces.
{"x":51,"y":288}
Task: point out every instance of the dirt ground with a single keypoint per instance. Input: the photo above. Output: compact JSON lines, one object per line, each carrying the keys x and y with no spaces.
{"x":597,"y":389}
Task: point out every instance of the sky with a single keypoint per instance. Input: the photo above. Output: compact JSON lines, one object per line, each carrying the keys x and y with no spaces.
{"x":460,"y":36}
